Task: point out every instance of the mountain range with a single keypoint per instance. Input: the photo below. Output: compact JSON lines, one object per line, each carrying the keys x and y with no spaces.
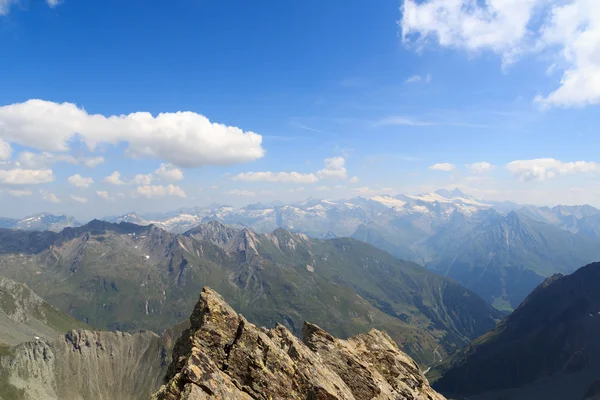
{"x":130,"y":277}
{"x":547,"y":348}
{"x":501,"y":251}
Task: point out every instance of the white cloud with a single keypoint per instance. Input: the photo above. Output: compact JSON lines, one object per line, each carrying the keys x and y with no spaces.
{"x":568,"y":31}
{"x":114,"y":179}
{"x":104,"y":194}
{"x":49,"y":196}
{"x":239,"y":192}
{"x":5,"y":150}
{"x":80,"y":181}
{"x":418,"y":78}
{"x":45,"y":159}
{"x":169,"y":172}
{"x":443,"y":167}
{"x":334,"y":169}
{"x":480,"y":167}
{"x":141,"y":179}
{"x":185,"y":138}
{"x":546,"y":168}
{"x":78,"y":199}
{"x":53,"y":3}
{"x":574,"y":29}
{"x":286,"y":177}
{"x":92,"y":162}
{"x":18,"y":176}
{"x":298,"y":190}
{"x":323,"y":188}
{"x":354,"y":179}
{"x":19,"y":193}
{"x":160,"y":191}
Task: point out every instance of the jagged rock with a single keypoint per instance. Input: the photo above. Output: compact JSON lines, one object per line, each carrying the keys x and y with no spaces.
{"x":223,"y":356}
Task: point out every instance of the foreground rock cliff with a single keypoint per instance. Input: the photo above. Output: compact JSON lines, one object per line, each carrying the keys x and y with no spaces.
{"x":223,"y":356}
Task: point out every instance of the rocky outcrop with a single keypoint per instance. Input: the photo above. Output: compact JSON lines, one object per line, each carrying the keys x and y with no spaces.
{"x":223,"y":356}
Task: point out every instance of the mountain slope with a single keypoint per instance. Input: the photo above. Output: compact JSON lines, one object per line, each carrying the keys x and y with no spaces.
{"x":24,"y":316}
{"x":85,"y":365}
{"x":503,"y":258}
{"x":128,"y":277}
{"x":223,"y":356}
{"x":551,"y":339}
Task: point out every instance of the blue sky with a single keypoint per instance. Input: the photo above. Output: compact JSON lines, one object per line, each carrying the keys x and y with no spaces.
{"x":324,"y":99}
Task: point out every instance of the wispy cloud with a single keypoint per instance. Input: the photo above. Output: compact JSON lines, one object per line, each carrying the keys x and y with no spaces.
{"x":410,"y":121}
{"x":402,"y":120}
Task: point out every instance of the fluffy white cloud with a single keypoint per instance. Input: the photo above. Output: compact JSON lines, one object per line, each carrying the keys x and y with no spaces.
{"x":45,"y":159}
{"x":141,"y":179}
{"x":103,"y":194}
{"x":114,"y":179}
{"x":298,"y":190}
{"x":53,"y":3}
{"x":334,"y":169}
{"x":443,"y":167}
{"x":19,"y":193}
{"x":80,"y":181}
{"x":574,"y":28}
{"x":239,"y":192}
{"x":480,"y":167}
{"x":49,"y":196}
{"x":160,"y":191}
{"x":5,"y":150}
{"x":18,"y":176}
{"x":169,"y":172}
{"x":78,"y":199}
{"x":354,"y":179}
{"x":323,"y":188}
{"x":569,"y":30}
{"x":166,"y":172}
{"x":287,"y":177}
{"x":185,"y":139}
{"x":546,"y":168}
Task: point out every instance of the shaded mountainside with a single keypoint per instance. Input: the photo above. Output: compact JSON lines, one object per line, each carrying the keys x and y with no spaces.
{"x":25,"y":316}
{"x":548,"y":345}
{"x":223,"y":356}
{"x":85,"y":365}
{"x":128,"y":277}
{"x":503,"y":259}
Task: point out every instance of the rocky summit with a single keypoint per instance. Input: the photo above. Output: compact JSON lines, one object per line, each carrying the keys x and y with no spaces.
{"x":223,"y":356}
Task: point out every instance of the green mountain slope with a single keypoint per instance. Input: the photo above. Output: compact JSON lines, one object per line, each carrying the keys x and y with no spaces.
{"x":548,"y":347}
{"x":24,"y":316}
{"x":129,"y":277}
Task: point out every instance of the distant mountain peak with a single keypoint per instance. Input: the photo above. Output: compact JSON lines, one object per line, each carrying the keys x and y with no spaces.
{"x":450,"y":194}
